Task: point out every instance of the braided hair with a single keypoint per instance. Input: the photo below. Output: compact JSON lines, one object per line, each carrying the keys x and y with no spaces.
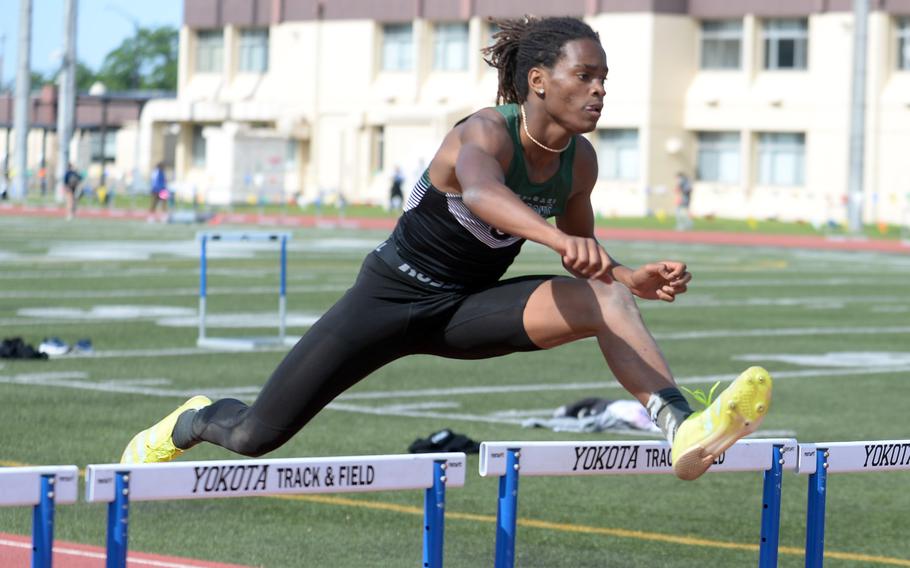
{"x":529,"y":42}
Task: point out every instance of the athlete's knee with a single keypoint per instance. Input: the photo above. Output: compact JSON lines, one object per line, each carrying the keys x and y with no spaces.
{"x":253,"y":438}
{"x":251,"y":445}
{"x":231,"y":424}
{"x":613,"y":299}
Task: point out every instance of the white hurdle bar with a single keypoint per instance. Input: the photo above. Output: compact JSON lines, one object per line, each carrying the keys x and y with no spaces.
{"x":118,"y":484}
{"x":820,"y":459}
{"x":40,"y":487}
{"x":507,"y":459}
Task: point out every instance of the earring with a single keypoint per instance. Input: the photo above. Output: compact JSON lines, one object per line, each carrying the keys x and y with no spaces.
{"x":540,"y":92}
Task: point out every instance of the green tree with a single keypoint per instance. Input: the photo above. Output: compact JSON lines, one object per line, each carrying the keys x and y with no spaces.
{"x":147,"y":60}
{"x":38,"y":80}
{"x":84,"y":76}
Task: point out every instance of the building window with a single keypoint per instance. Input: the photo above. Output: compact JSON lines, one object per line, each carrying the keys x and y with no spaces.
{"x":450,"y":47}
{"x":254,"y":50}
{"x":106,"y":152}
{"x":292,"y":154}
{"x":721,"y":42}
{"x":786,"y":44}
{"x":781,"y":158}
{"x":209,"y":51}
{"x":618,"y":154}
{"x":397,"y":47}
{"x":198,"y":147}
{"x":903,"y":44}
{"x":718,"y":157}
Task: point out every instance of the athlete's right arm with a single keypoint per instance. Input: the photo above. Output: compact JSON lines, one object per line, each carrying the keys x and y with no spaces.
{"x":485,"y":150}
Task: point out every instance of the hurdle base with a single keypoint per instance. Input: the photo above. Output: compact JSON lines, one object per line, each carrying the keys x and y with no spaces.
{"x":245,"y":343}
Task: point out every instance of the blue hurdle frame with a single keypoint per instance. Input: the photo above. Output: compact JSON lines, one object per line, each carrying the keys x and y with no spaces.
{"x":507,"y":511}
{"x":815,"y":511}
{"x":204,"y":239}
{"x":433,"y":520}
{"x":43,"y":525}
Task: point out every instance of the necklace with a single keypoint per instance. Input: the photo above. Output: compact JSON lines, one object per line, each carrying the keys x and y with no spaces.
{"x":524,"y":122}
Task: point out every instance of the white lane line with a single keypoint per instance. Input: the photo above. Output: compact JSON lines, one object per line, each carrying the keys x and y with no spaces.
{"x":782,"y":331}
{"x":665,"y":336}
{"x":705,"y":379}
{"x":158,"y":292}
{"x":131,"y":560}
{"x":79,"y":381}
{"x":705,"y":301}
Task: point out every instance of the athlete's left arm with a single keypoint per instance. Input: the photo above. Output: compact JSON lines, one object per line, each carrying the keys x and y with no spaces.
{"x":654,"y":281}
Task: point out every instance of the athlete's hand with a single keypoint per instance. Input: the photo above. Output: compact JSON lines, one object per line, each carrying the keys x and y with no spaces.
{"x":660,"y":280}
{"x":585,"y":258}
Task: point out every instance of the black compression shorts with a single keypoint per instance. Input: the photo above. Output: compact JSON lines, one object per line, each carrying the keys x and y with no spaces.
{"x":390,"y":312}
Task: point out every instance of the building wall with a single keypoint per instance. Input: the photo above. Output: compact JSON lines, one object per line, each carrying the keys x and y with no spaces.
{"x":325,"y":88}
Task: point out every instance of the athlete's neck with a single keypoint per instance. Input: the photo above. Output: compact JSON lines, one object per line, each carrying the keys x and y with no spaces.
{"x":539,"y":144}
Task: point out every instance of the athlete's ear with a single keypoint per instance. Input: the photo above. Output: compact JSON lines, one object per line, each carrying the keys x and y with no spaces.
{"x":537,"y":81}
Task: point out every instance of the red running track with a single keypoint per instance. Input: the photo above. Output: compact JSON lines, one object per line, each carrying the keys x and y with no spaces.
{"x":16,"y":551}
{"x":655,"y":235}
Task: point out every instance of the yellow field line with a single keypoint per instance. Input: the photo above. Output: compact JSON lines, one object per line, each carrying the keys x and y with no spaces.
{"x":586,"y":529}
{"x":570,"y":528}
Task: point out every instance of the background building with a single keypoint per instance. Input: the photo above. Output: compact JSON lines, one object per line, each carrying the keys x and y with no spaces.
{"x":104,"y":144}
{"x":285,"y":98}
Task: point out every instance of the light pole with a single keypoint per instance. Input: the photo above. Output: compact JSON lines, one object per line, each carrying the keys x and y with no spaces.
{"x":4,"y":175}
{"x":857,"y":119}
{"x":66,"y":98}
{"x":23,"y":90}
{"x":2,"y":54}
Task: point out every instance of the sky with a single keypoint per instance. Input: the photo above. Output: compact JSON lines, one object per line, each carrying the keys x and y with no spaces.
{"x":101,"y":26}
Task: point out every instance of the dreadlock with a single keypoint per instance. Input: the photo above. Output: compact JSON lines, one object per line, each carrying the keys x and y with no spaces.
{"x":529,"y":42}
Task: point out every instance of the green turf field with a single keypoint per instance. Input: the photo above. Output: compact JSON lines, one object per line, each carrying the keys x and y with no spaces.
{"x":832,"y":327}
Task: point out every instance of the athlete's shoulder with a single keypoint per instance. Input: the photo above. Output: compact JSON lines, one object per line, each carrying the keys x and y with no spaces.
{"x":486,"y":118}
{"x":486,"y":128}
{"x":584,"y":148}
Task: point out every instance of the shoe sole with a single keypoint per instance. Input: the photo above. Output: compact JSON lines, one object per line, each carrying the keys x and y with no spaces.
{"x":743,"y":415}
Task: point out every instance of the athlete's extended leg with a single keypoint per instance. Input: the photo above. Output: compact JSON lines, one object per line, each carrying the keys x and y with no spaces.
{"x":326,"y":362}
{"x":339,"y":350}
{"x":562,"y":310}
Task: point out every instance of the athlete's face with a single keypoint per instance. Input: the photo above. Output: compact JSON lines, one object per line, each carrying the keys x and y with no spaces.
{"x":574,"y":88}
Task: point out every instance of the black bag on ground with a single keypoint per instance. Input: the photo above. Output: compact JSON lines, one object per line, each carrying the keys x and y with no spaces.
{"x":444,"y":441}
{"x":15,"y":348}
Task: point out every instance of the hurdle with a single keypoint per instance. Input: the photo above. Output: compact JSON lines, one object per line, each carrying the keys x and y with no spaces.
{"x":40,"y":487}
{"x":507,"y":460}
{"x":243,"y":343}
{"x":119,"y":484}
{"x":820,"y":459}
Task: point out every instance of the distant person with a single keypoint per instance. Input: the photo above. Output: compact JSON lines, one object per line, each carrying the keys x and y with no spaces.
{"x":71,"y":181}
{"x":395,"y":194}
{"x":683,"y":200}
{"x":159,"y":192}
{"x":436,"y":286}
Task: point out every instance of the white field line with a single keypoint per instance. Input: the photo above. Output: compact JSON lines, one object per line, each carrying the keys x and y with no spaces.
{"x":78,"y":380}
{"x":131,"y":560}
{"x":702,"y":301}
{"x":160,"y":292}
{"x":667,"y":336}
{"x":899,"y":279}
{"x":781,"y":332}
